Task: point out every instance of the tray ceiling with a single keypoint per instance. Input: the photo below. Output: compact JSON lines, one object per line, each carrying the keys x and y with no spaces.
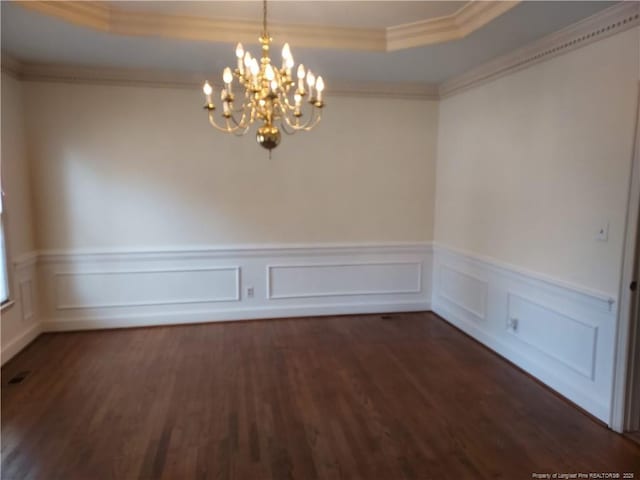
{"x":33,"y":35}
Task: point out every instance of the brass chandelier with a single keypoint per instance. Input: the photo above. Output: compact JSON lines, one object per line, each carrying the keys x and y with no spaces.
{"x":269,"y":95}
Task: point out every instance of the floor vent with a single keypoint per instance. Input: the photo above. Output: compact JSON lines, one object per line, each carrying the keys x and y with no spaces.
{"x":18,"y":378}
{"x":387,"y":317}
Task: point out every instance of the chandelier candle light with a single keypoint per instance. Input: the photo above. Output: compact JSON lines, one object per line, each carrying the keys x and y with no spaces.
{"x":270,"y":95}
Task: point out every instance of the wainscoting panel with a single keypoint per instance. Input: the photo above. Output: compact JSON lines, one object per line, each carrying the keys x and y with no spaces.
{"x":83,"y":290}
{"x":561,"y":334}
{"x":327,"y":280}
{"x":20,"y":323}
{"x":136,"y":288}
{"x":26,"y":298}
{"x":463,"y":290}
{"x":568,"y":340}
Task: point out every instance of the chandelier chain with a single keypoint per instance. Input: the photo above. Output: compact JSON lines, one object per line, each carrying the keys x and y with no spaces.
{"x":264,"y":18}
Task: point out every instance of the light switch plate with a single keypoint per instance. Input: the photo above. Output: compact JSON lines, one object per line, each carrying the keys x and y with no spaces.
{"x":602,"y":233}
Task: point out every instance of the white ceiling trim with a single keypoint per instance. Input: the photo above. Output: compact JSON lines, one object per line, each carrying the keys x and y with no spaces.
{"x":610,"y":21}
{"x":613,"y":20}
{"x":44,"y":72}
{"x":469,"y":18}
{"x":472,"y":16}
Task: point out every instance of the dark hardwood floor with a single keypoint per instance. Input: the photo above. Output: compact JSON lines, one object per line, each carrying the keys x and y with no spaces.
{"x":358,"y":397}
{"x":635,"y":436}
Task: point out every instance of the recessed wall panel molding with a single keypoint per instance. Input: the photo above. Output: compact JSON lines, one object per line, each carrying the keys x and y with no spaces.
{"x":343,"y":279}
{"x":26,"y":299}
{"x":153,"y":287}
{"x":24,"y":282}
{"x":102,"y":289}
{"x":572,"y":343}
{"x":562,"y":335}
{"x":464,"y":290}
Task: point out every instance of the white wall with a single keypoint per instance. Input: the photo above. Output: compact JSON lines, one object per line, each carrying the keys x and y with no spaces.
{"x":531,"y":164}
{"x":345,"y":211}
{"x":134,"y":167}
{"x":19,"y":321}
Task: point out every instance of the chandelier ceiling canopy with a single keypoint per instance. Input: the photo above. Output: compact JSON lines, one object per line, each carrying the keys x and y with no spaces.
{"x":258,"y":91}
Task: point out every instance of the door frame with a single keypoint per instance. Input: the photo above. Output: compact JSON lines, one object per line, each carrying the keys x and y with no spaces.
{"x":627,"y":345}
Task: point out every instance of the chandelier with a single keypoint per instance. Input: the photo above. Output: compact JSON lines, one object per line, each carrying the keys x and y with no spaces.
{"x":266,"y":94}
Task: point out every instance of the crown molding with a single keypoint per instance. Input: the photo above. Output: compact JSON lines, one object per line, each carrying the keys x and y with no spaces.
{"x":107,"y":18}
{"x":471,"y":17}
{"x":61,"y":73}
{"x":613,"y":20}
{"x":416,"y":91}
{"x":44,"y":72}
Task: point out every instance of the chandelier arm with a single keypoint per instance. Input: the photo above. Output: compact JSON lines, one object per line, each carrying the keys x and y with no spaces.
{"x":240,"y":133}
{"x":312,"y":121}
{"x":312,"y":125}
{"x":215,"y":125}
{"x":228,"y":128}
{"x":241,"y":127}
{"x":239,"y":109}
{"x":287,"y":121}
{"x":242,"y":124}
{"x":287,"y":104}
{"x":237,"y":130}
{"x":285,"y":126}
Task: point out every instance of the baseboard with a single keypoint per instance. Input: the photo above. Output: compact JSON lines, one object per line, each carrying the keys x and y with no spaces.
{"x":94,"y":323}
{"x":19,"y":343}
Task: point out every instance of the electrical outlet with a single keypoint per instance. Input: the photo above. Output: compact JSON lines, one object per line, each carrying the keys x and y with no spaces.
{"x":512,"y":324}
{"x":602,"y":233}
{"x":250,"y":292}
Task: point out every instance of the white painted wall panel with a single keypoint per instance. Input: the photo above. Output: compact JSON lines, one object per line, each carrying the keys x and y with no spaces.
{"x":569,"y":340}
{"x":463,"y":290}
{"x":106,"y":289}
{"x":298,"y":281}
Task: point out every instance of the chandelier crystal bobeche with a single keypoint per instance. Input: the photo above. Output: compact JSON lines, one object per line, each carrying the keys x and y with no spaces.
{"x":269,"y":95}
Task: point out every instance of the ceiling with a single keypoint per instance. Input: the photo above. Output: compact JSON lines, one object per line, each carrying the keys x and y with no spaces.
{"x":34,"y":36}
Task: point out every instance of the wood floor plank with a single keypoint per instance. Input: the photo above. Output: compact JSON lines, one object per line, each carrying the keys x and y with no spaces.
{"x":403,"y":396}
